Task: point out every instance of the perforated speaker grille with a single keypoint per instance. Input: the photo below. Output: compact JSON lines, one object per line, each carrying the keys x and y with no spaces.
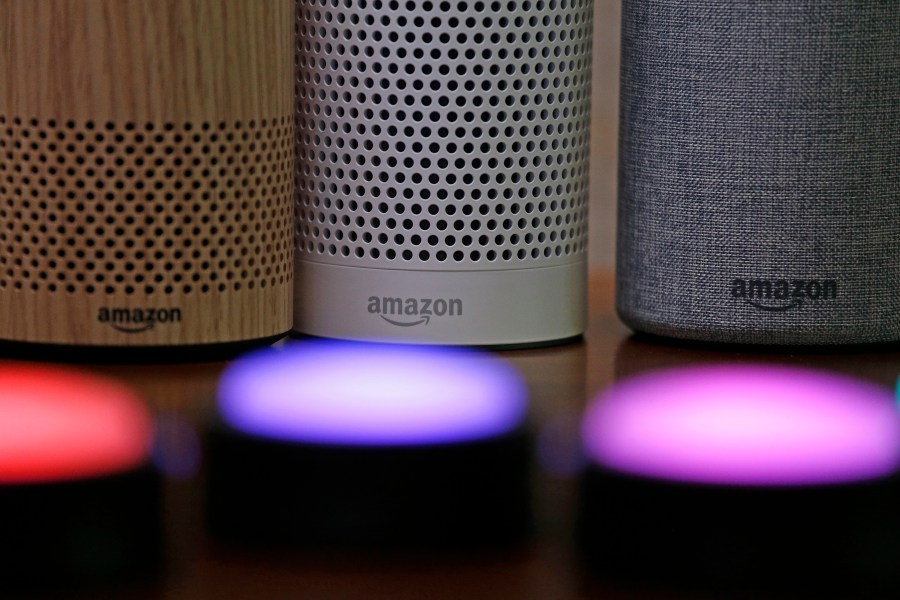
{"x":443,"y":135}
{"x":144,"y":208}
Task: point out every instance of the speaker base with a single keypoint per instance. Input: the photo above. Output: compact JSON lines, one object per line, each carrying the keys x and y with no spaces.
{"x":503,"y":308}
{"x":824,"y":335}
{"x":65,"y":353}
{"x":492,"y":347}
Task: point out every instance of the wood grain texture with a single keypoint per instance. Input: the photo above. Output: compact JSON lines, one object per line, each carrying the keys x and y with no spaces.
{"x":146,"y":60}
{"x":146,"y":159}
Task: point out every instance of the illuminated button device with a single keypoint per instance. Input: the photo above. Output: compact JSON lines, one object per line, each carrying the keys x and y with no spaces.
{"x":367,"y":444}
{"x":79,"y":498}
{"x":744,"y":477}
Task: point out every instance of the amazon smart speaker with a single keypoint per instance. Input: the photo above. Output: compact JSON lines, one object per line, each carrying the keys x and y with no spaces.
{"x":759,"y":185}
{"x":442,"y":170}
{"x":146,"y":172}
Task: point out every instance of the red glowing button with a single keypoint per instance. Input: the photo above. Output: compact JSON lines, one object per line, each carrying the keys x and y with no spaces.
{"x":60,"y":424}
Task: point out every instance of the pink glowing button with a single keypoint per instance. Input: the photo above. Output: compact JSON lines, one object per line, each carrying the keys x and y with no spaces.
{"x":59,"y":424}
{"x":745,"y":425}
{"x":371,"y":394}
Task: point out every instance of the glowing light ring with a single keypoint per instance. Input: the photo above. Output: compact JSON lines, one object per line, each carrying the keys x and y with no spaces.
{"x":745,"y":425}
{"x":371,"y":394}
{"x":59,"y":424}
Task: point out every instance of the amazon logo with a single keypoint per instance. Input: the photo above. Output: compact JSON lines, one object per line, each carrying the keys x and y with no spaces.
{"x":781,"y":295}
{"x":412,"y":312}
{"x":137,"y":320}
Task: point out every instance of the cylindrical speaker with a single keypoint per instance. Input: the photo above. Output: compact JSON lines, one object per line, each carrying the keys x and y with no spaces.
{"x":759,"y":175}
{"x":443,"y":170}
{"x":146,"y":171}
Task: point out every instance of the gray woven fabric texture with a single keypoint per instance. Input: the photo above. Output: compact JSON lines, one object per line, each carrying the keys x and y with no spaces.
{"x":759,"y":176}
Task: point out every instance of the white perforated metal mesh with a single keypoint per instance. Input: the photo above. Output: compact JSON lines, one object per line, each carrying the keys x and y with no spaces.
{"x":443,"y":135}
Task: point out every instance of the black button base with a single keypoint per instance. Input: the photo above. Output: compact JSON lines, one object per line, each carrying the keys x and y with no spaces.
{"x":65,"y":535}
{"x":831,"y":540}
{"x":265,"y":491}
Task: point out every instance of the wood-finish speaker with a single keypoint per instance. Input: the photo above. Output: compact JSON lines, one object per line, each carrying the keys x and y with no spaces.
{"x":146,"y":171}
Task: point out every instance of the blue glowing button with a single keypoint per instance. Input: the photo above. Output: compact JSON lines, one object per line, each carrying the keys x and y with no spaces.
{"x":755,"y":476}
{"x":80,"y":499}
{"x":342,"y":443}
{"x":356,"y":394}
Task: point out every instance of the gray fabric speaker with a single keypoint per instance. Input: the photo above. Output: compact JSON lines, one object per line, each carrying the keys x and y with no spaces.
{"x":759,"y":175}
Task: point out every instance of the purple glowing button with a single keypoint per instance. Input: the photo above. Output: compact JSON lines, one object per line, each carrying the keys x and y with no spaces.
{"x":371,"y":394}
{"x":756,"y":425}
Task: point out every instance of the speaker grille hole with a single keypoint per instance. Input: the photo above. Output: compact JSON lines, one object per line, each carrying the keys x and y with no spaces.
{"x":145,"y":208}
{"x":443,"y":133}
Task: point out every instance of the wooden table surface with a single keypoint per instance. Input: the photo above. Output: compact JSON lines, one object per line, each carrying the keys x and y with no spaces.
{"x":561,"y":379}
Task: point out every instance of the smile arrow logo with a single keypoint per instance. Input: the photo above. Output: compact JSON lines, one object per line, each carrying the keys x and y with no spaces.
{"x":423,"y":321}
{"x":792,"y":305}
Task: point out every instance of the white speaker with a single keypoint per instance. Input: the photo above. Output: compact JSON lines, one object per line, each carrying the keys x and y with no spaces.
{"x":442,"y":170}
